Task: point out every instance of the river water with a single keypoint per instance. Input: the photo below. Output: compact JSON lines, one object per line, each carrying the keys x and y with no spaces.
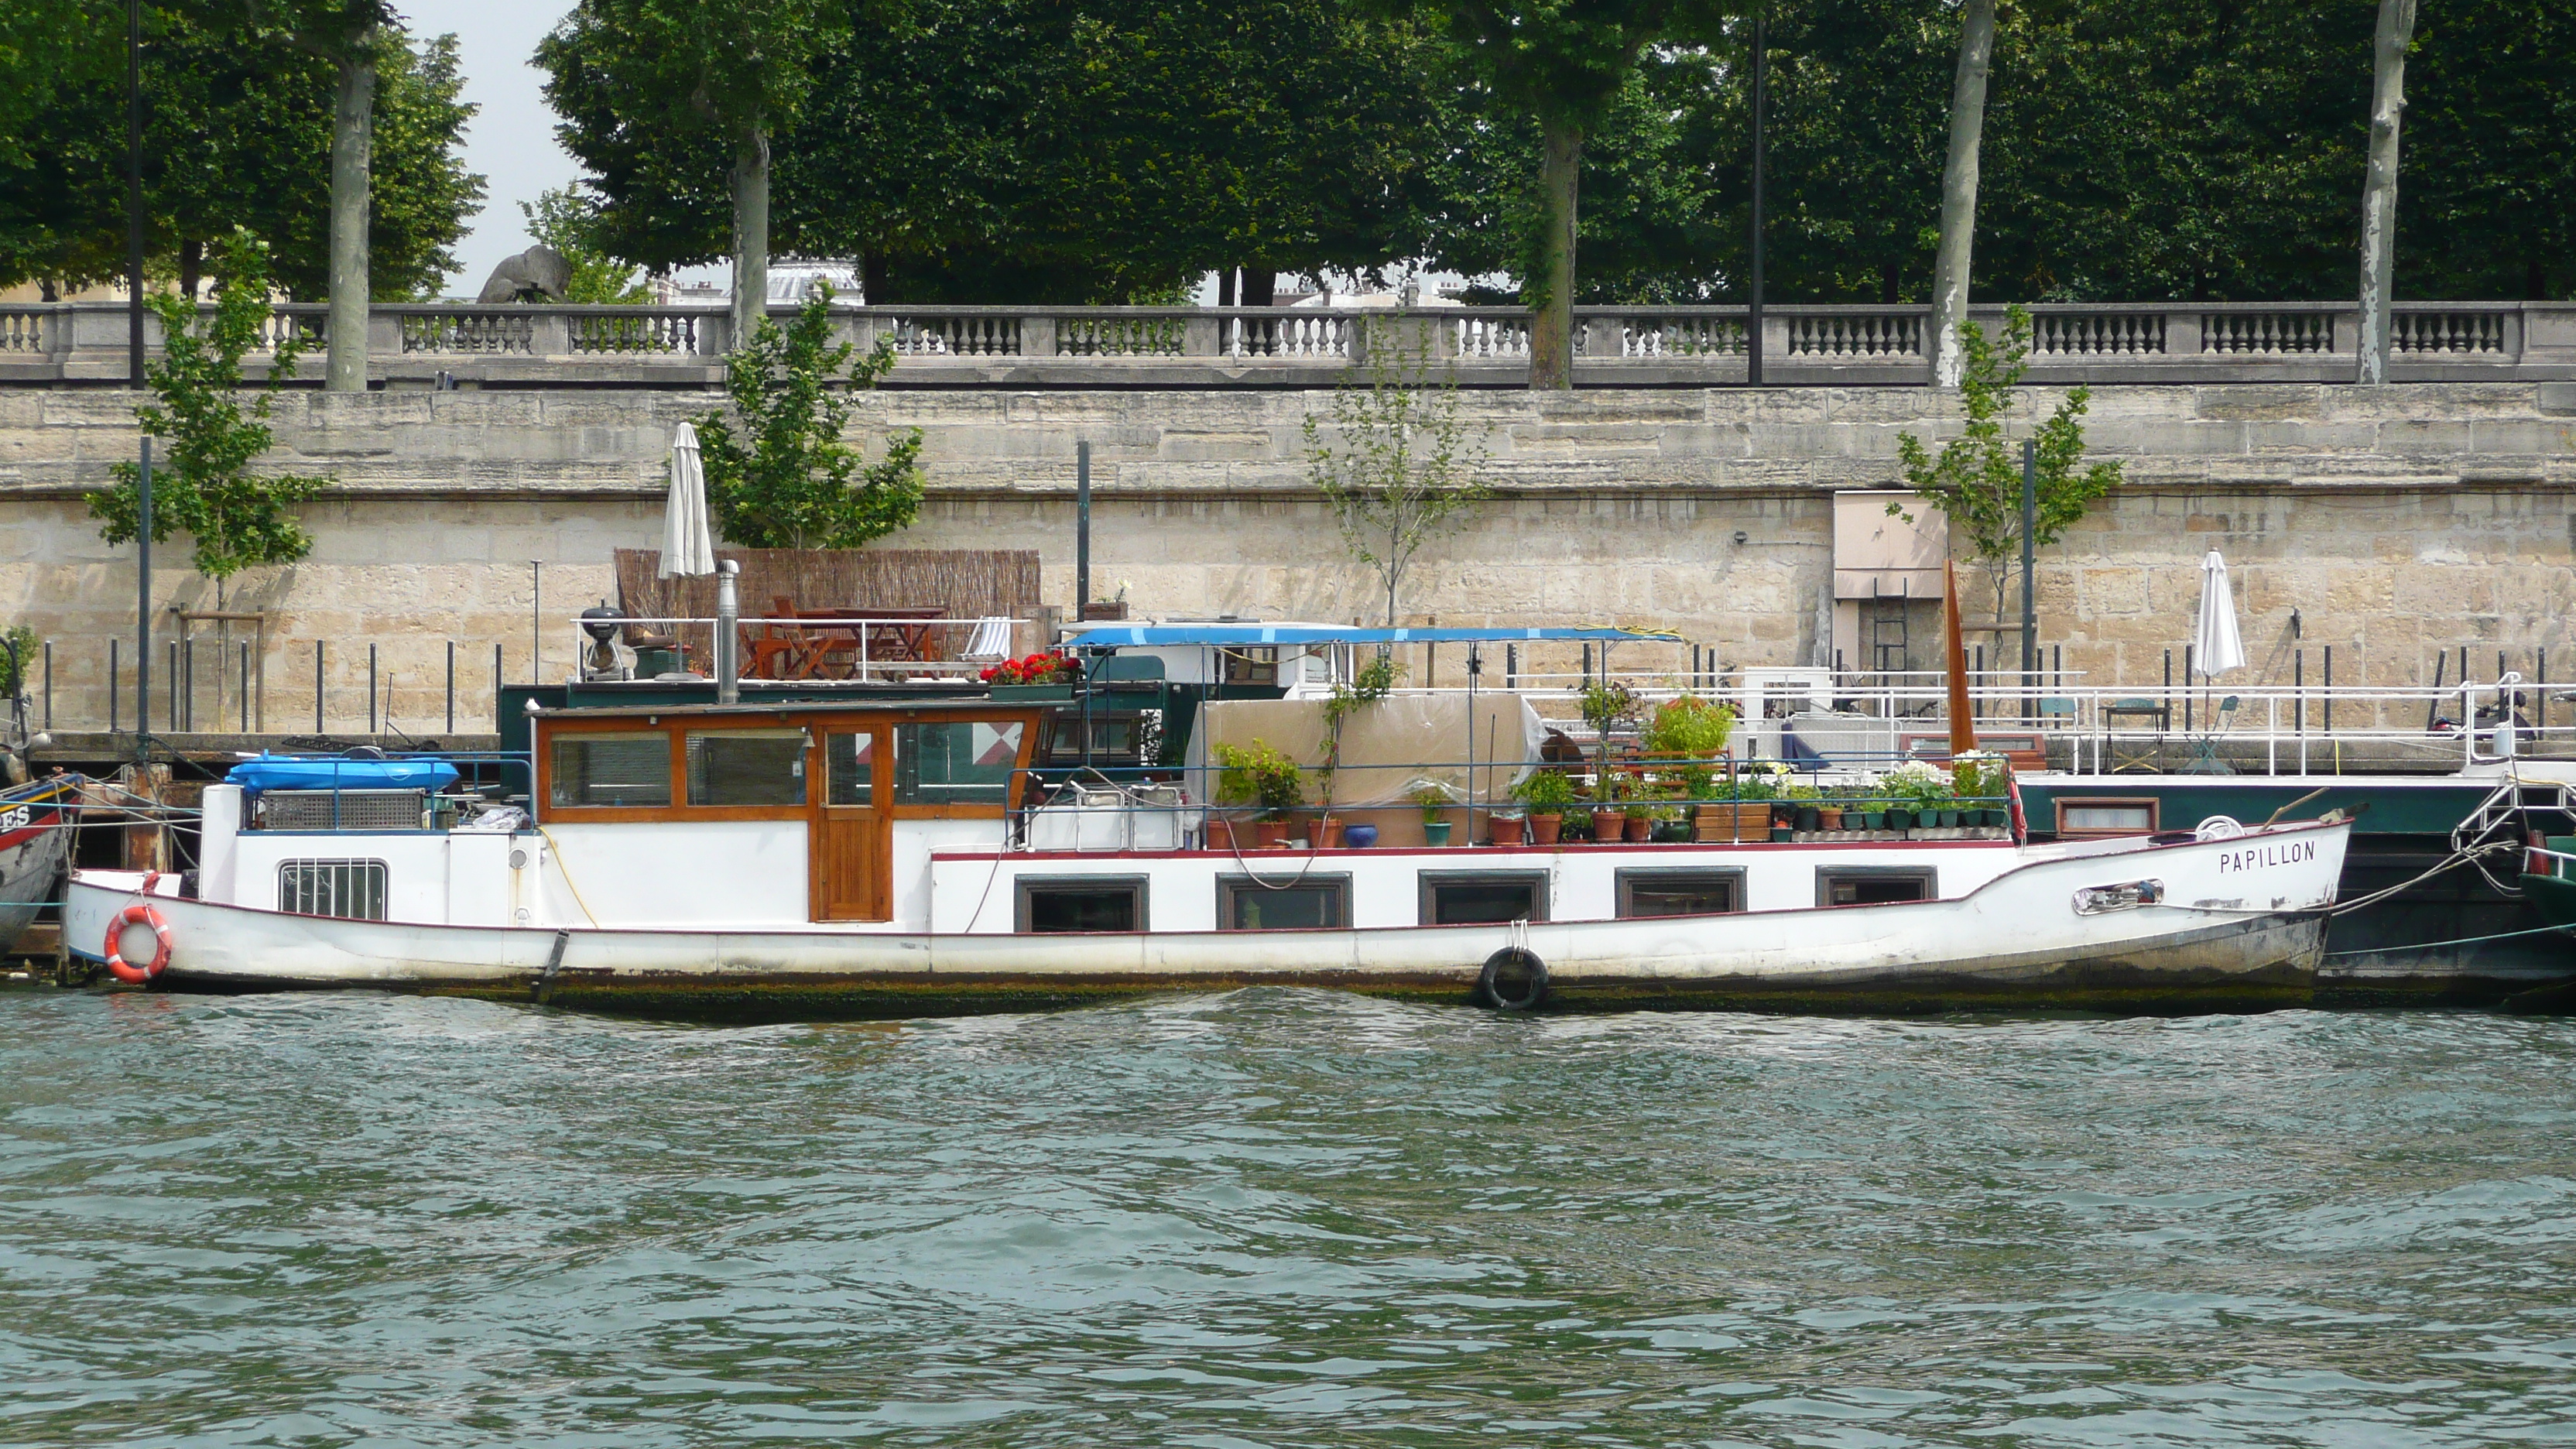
{"x":1280,"y":1218}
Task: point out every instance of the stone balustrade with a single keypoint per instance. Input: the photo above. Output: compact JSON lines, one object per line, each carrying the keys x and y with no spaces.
{"x":417,"y":345}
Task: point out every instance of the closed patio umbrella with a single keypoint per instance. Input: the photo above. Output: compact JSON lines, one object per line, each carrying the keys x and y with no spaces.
{"x":2216,"y":646}
{"x":687,"y":546}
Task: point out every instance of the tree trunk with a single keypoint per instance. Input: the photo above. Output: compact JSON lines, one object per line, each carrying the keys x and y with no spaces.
{"x":1959,"y":190}
{"x":874,"y":288}
{"x":2379,"y":192}
{"x":192,"y":267}
{"x":1260,"y":288}
{"x":1551,"y":285}
{"x":352,"y":145}
{"x":1225,"y":288}
{"x":750,"y":234}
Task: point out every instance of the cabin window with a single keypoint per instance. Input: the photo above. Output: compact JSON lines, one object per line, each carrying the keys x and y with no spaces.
{"x":1475,"y":898}
{"x":1050,"y":905}
{"x":1312,"y":904}
{"x":746,"y":767}
{"x":955,"y":762}
{"x":1875,"y":885}
{"x":2077,"y":819}
{"x":1680,"y":892}
{"x":1256,"y":666}
{"x":850,"y":769}
{"x":630,"y":769}
{"x":354,"y":889}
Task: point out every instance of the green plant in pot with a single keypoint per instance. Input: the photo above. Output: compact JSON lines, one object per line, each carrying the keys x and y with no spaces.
{"x":1547,"y":793}
{"x":1693,"y":733}
{"x":1258,"y":775}
{"x":1919,"y":791}
{"x":1980,"y":780}
{"x":1606,"y":706}
{"x":1433,"y":798}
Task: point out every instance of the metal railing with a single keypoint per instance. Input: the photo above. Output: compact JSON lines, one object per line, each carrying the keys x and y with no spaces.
{"x":804,"y":648}
{"x":439,"y":344}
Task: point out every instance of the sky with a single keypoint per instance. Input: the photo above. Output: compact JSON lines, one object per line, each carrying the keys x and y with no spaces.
{"x":511,"y":141}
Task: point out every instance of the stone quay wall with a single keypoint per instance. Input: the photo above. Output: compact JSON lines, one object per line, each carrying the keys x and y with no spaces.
{"x":2400,"y":523}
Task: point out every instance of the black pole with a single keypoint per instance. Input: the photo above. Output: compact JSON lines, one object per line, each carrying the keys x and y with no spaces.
{"x":134,"y":192}
{"x":2029,"y":584}
{"x":451,"y":686}
{"x":1081,"y":531}
{"x":317,"y":686}
{"x":143,"y":600}
{"x":2330,"y":690}
{"x":1753,"y":309}
{"x":115,"y":691}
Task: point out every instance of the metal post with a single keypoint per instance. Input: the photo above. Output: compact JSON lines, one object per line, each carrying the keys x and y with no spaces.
{"x":49,"y":681}
{"x":496,"y":687}
{"x":1512,"y":666}
{"x":115,"y":691}
{"x":2329,"y":689}
{"x":2186,"y":686}
{"x":1081,"y":529}
{"x":2299,"y":683}
{"x":2029,"y":584}
{"x":142,"y":593}
{"x":188,"y":680}
{"x":371,"y":689}
{"x":1753,"y":294}
{"x":536,"y":621}
{"x":728,"y":611}
{"x":2539,"y":704}
{"x":245,"y":686}
{"x":451,"y":686}
{"x":174,"y":686}
{"x":317,"y":686}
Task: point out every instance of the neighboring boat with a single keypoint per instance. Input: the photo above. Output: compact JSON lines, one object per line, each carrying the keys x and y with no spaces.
{"x":35,"y":844}
{"x":805,"y":858}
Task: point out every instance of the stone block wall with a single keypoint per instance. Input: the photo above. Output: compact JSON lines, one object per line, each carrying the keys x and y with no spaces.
{"x":2399,"y":523}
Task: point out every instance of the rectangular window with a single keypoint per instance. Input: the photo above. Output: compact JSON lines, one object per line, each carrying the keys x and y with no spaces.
{"x":1875,"y":885}
{"x":1312,"y":904}
{"x":746,"y":767}
{"x":1474,"y":898}
{"x":850,"y":769}
{"x":354,"y":889}
{"x":1680,"y":892}
{"x":959,"y":762}
{"x":2080,"y":818}
{"x":630,"y":769}
{"x":1056,"y":904}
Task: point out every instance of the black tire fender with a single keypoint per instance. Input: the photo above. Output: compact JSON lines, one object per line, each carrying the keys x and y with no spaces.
{"x":1514,"y":979}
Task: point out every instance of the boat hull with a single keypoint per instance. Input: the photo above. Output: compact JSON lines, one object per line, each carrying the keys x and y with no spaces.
{"x":35,"y":845}
{"x":2240,"y":928}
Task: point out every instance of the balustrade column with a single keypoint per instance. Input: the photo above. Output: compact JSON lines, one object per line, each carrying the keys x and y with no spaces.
{"x":2182,"y":334}
{"x":1604,"y":337}
{"x":1037,"y":336}
{"x":550,"y":334}
{"x":1202,"y":336}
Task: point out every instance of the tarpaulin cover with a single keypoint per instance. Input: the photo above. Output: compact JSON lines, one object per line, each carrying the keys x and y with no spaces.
{"x":1386,"y":746}
{"x":335,"y":772}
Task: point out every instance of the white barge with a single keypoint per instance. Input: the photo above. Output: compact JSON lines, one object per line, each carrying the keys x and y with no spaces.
{"x":825,"y":858}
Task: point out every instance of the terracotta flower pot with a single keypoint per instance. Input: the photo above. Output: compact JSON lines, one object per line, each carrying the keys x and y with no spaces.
{"x":1220,"y":834}
{"x":1829,"y":817}
{"x":1327,"y":834}
{"x":1640,"y":829}
{"x":1545,"y":829}
{"x":1508,"y":829}
{"x":1274,"y":834}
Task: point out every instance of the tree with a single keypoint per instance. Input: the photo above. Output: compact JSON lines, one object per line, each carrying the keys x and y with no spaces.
{"x":565,"y":219}
{"x":204,"y":486}
{"x":1959,"y":189}
{"x":778,"y":473}
{"x":2379,"y":193}
{"x":1397,"y":470}
{"x":1976,"y":478}
{"x":667,"y":84}
{"x":2489,"y":205}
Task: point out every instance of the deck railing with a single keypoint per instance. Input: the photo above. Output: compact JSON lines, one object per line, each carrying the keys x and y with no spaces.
{"x":443,"y":344}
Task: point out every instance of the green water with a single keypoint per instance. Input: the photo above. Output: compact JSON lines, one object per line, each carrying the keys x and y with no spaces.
{"x":1280,"y":1218}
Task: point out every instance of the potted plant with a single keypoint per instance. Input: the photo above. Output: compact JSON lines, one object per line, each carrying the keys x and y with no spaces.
{"x":1547,"y":793}
{"x":1980,"y":780}
{"x":1434,"y":799}
{"x":1804,"y":811}
{"x":1916,"y":790}
{"x":1046,"y":676}
{"x":1510,"y":827}
{"x":1745,"y":800}
{"x":1829,"y":817}
{"x":1691,"y":734}
{"x":1606,"y":706}
{"x":1259,"y":775}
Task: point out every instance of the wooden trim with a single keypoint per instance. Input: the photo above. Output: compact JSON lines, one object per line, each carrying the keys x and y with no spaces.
{"x":676,"y":722}
{"x":2155,"y":814}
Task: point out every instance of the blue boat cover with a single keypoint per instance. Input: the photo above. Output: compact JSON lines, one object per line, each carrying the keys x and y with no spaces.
{"x":338,"y":772}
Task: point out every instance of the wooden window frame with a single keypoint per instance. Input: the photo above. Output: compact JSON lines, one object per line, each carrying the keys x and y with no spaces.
{"x":1427,"y":884}
{"x":1231,"y":888}
{"x":1629,"y":877}
{"x":676,"y":723}
{"x":1826,"y":875}
{"x":1140,"y":886}
{"x":2155,"y":815}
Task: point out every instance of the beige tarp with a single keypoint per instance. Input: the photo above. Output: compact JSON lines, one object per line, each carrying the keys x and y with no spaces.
{"x":1386,"y":746}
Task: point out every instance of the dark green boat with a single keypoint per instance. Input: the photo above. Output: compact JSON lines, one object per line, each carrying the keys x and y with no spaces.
{"x":2549,"y":879}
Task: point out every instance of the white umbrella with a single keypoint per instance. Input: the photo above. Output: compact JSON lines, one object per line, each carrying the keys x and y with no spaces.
{"x":2216,"y":647}
{"x":687,"y":546}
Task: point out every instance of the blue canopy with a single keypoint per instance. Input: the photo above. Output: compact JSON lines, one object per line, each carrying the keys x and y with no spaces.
{"x":340,"y":772}
{"x":1240,"y":635}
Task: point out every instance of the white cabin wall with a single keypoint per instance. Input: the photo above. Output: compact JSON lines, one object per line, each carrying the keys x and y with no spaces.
{"x":693,"y":873}
{"x":914,"y":890}
{"x":219,"y":842}
{"x":478,"y":877}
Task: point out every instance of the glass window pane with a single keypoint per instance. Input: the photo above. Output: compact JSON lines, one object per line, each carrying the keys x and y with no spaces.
{"x":1291,"y":908}
{"x":747,"y":767}
{"x":960,"y":762}
{"x":622,"y":769}
{"x":849,"y":769}
{"x":1465,"y":903}
{"x":1681,"y":896}
{"x":1055,"y":908}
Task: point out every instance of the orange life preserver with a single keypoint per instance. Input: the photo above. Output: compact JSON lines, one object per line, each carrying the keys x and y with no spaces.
{"x":138,"y":914}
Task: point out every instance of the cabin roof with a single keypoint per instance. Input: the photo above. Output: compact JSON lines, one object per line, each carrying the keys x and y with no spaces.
{"x":1239,"y":635}
{"x":970,"y":705}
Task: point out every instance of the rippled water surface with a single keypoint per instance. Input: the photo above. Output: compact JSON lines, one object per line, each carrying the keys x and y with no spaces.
{"x":1277,"y":1218}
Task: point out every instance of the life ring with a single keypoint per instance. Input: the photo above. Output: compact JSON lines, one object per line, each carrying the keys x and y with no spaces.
{"x":1514,"y":979}
{"x":138,"y":914}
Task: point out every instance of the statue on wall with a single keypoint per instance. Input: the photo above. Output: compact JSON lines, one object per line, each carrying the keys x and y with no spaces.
{"x":539,"y":274}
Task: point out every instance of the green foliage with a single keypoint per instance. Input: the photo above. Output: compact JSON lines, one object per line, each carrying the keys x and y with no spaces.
{"x":566,"y":218}
{"x":1397,"y":469}
{"x":1258,"y":775}
{"x":1372,"y":682}
{"x":778,"y":473}
{"x":1608,"y":704}
{"x":1980,"y":775}
{"x":1434,"y":799}
{"x":19,"y":656}
{"x":1546,"y":791}
{"x":1976,"y":478}
{"x":1690,"y":727}
{"x":202,"y":485}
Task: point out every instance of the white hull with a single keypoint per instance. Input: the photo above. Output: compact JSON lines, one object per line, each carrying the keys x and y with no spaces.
{"x":2237,"y":925}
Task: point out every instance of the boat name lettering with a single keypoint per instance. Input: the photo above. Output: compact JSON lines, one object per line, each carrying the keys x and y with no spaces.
{"x":16,"y":819}
{"x":2260,"y":857}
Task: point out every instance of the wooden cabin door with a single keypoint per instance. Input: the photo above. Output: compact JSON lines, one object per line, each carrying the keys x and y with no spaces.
{"x":847,"y":844}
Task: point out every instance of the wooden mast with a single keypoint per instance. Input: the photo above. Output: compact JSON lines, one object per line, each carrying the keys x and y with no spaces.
{"x":1963,"y":723}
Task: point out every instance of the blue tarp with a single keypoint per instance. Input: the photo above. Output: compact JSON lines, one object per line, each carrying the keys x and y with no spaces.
{"x":1235,"y":636}
{"x":339,"y":772}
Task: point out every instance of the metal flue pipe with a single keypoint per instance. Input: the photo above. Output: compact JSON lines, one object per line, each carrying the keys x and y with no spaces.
{"x":728,"y":611}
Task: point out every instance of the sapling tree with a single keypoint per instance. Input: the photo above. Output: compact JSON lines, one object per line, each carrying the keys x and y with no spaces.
{"x":778,"y":473}
{"x":1397,"y":468}
{"x":1975,"y":480}
{"x":202,"y":484}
